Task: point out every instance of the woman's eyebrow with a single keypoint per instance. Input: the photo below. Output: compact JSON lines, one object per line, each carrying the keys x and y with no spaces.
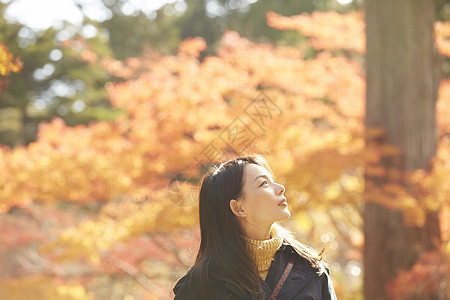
{"x":261,"y":176}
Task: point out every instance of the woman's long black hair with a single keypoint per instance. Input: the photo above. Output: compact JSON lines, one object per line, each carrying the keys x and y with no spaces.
{"x":223,"y":257}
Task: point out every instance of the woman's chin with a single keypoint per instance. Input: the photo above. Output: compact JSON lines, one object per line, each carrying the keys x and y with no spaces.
{"x":286,"y":214}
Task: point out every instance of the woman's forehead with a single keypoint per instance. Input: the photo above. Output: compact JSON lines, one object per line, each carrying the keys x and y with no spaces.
{"x":251,"y":171}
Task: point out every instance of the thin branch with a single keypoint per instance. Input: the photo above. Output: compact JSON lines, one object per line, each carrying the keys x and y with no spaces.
{"x":344,"y":235}
{"x":139,"y":277}
{"x":172,"y":249}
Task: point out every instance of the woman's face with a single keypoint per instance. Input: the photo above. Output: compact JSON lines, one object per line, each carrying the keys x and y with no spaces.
{"x":262,"y":200}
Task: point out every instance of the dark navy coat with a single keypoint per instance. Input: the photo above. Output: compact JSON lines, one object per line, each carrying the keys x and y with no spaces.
{"x":303,"y":282}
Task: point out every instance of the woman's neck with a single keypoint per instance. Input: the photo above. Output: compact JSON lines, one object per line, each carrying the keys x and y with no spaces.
{"x":257,"y":232}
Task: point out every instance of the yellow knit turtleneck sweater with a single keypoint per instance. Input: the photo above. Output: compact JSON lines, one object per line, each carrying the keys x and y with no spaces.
{"x":263,"y":251}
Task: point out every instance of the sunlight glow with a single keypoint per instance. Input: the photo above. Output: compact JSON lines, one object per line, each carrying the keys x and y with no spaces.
{"x":43,"y":14}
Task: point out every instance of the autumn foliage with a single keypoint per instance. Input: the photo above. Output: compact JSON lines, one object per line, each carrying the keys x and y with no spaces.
{"x":8,"y":64}
{"x":119,"y":197}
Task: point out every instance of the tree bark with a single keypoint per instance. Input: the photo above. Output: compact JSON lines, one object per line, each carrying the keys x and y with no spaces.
{"x":403,"y":77}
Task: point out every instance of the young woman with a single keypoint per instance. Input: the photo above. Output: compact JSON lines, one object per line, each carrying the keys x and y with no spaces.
{"x":244,"y":253}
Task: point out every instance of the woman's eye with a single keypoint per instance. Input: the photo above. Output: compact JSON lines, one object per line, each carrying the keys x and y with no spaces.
{"x":264,"y":182}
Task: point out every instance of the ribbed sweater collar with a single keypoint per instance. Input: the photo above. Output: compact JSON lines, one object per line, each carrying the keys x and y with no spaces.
{"x":263,"y":251}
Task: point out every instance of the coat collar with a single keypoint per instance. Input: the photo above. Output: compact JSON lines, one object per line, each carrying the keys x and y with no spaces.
{"x":298,"y":278}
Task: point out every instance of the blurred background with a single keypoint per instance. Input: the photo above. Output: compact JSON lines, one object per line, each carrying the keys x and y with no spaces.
{"x":111,"y":111}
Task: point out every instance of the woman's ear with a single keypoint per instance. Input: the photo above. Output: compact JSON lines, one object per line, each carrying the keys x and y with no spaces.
{"x":237,"y":209}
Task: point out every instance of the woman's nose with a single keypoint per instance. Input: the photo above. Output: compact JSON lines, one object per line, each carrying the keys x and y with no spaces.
{"x":282,"y":189}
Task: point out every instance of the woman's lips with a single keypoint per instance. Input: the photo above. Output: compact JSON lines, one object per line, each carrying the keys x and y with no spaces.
{"x":283,"y":203}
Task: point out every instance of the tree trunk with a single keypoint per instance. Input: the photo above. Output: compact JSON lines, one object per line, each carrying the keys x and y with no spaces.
{"x":403,"y":77}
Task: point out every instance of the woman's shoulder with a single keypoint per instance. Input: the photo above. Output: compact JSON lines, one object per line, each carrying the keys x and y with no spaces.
{"x":312,"y":275}
{"x":319,"y":267}
{"x":187,"y":286}
{"x":180,"y":288}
